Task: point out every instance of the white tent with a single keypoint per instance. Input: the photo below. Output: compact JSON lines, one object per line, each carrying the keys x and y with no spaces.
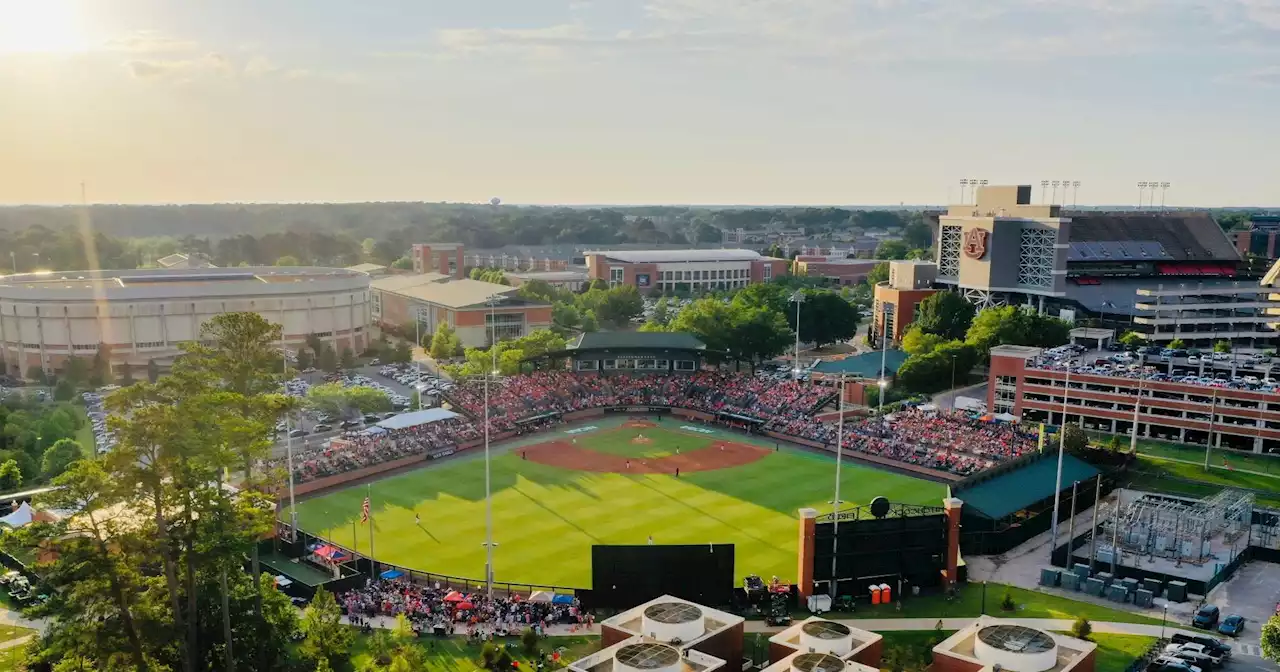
{"x":20,"y":516}
{"x":425,"y":416}
{"x":541,"y":596}
{"x":970,"y":404}
{"x":1007,"y":417}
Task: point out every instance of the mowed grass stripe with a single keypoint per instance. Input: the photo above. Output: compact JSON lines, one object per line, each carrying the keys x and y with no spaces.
{"x":547,"y":518}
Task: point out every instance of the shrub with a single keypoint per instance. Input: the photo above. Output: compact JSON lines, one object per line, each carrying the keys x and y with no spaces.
{"x":1007,"y":603}
{"x":1081,"y":628}
{"x":529,"y":639}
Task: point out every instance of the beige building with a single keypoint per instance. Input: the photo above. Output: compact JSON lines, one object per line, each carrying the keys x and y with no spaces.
{"x":1003,"y":249}
{"x":145,"y":314}
{"x":435,"y":298}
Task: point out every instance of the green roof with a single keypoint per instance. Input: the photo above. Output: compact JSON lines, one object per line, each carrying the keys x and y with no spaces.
{"x":866,"y":365}
{"x":658,"y":340}
{"x":1015,"y":490}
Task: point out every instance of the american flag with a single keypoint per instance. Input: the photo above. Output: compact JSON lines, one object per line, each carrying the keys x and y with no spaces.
{"x":364,"y":511}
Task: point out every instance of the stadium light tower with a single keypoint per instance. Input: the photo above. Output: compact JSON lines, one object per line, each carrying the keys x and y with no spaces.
{"x":1075,"y":191}
{"x":964,"y":183}
{"x":288,"y":444}
{"x":488,"y":495}
{"x":1044,"y":186}
{"x":798,"y":298}
{"x":1062,"y":443}
{"x":1142,"y":187}
{"x":1054,"y":198}
{"x":1164,"y":186}
{"x":973,"y":189}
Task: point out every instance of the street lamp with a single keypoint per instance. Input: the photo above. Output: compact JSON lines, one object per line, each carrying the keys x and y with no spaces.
{"x":1164,"y":617}
{"x":488,"y":496}
{"x":798,"y":298}
{"x":1062,"y":444}
{"x":835,"y":503}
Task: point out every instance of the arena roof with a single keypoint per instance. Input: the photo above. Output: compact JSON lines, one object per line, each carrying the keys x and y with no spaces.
{"x":658,"y":340}
{"x":168,"y":283}
{"x":659,"y":256}
{"x":423,"y":417}
{"x":397,"y":283}
{"x":1181,"y":236}
{"x":1012,"y":491}
{"x":460,"y":293}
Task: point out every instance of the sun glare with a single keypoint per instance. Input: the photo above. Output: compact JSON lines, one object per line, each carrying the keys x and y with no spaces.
{"x":41,"y":26}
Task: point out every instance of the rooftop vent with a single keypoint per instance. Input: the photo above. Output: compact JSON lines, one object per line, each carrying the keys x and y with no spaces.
{"x":675,"y":622}
{"x":647,"y":657}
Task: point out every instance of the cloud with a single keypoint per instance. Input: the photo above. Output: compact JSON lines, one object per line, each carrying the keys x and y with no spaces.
{"x":149,"y":41}
{"x":181,"y":69}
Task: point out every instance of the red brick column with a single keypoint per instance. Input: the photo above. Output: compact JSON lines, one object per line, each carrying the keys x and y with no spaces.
{"x":804,"y":555}
{"x":952,"y":507}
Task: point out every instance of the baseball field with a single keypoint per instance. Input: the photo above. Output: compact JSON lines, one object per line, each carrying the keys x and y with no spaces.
{"x":613,"y":480}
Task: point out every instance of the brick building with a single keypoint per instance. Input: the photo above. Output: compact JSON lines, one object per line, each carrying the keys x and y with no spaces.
{"x":434,"y":298}
{"x":444,"y":258}
{"x":910,"y":282}
{"x":683,"y":270}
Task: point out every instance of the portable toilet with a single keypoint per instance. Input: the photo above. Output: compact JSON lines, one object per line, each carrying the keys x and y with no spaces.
{"x":885,"y":593}
{"x":875,"y":593}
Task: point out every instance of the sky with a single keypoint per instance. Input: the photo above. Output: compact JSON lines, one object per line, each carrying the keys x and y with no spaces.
{"x":831,"y":102}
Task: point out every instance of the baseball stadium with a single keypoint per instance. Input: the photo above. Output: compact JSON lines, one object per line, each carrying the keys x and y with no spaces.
{"x":586,"y":450}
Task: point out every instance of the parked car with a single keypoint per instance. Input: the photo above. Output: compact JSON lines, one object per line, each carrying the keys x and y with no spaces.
{"x":320,"y":428}
{"x":1232,"y":625}
{"x":1171,"y":664}
{"x":1192,"y":653}
{"x":1206,"y":617}
{"x":1212,"y":643}
{"x":297,"y":434}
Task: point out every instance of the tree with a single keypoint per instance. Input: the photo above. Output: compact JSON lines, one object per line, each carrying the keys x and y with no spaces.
{"x":1007,"y":603}
{"x":1132,"y":339}
{"x":1015,"y":325}
{"x":402,"y":264}
{"x":661,"y":312}
{"x":334,"y":399}
{"x":758,"y":334}
{"x":327,"y":359}
{"x":946,"y":314}
{"x":529,"y":640}
{"x":126,"y":374}
{"x":348,"y":360}
{"x":620,"y":305}
{"x":59,"y":456}
{"x":75,"y":370}
{"x":771,"y":295}
{"x":36,"y":374}
{"x":1271,"y":639}
{"x":916,"y":341}
{"x":1074,"y":439}
{"x":402,"y":353}
{"x":1222,"y":346}
{"x":1114,"y":445}
{"x":589,"y":323}
{"x":933,"y":371}
{"x":288,"y":260}
{"x":445,"y":342}
{"x":476,"y":273}
{"x":917,"y":233}
{"x":306,"y":359}
{"x":1177,"y":344}
{"x":825,"y":318}
{"x":892,"y":249}
{"x":100,"y":367}
{"x":324,"y":636}
{"x":565,"y":318}
{"x":1081,"y":628}
{"x":10,"y":476}
{"x":64,"y":390}
{"x":153,"y":371}
{"x":707,"y":319}
{"x":879,"y":273}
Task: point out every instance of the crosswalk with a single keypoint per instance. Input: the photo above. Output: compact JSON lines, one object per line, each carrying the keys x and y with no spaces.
{"x":1249,"y":650}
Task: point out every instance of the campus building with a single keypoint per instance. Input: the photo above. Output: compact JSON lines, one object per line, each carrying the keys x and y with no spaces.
{"x":683,"y":270}
{"x":476,"y":310}
{"x":1191,"y":412}
{"x":896,"y":299}
{"x":145,"y":314}
{"x":442,"y":258}
{"x":840,"y":270}
{"x":631,"y":351}
{"x":572,"y":281}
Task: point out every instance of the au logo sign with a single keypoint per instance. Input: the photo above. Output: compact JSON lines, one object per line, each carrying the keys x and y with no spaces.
{"x":975,"y":243}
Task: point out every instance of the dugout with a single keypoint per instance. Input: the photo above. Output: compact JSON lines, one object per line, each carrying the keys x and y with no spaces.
{"x":630,"y":352}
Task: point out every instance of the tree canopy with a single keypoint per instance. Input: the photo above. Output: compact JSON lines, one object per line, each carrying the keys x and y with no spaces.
{"x":334,"y":399}
{"x":1015,"y":325}
{"x":946,"y":314}
{"x":825,"y":318}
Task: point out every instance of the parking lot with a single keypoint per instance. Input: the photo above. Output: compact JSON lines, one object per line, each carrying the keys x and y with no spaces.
{"x":1253,"y":593}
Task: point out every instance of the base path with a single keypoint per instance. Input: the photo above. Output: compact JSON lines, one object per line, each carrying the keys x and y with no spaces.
{"x":718,"y":455}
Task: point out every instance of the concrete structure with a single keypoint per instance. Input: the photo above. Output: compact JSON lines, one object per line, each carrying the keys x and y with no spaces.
{"x":685,"y":625}
{"x":443,"y":258}
{"x":1260,"y":239}
{"x":573,"y":281}
{"x":145,"y":314}
{"x":683,"y":270}
{"x":180,"y":261}
{"x":818,"y":635}
{"x":990,"y":644}
{"x":1167,"y":409}
{"x":642,"y":654}
{"x":434,"y":298}
{"x":895,"y":300}
{"x":370,"y":269}
{"x":516,"y":262}
{"x":840,"y":270}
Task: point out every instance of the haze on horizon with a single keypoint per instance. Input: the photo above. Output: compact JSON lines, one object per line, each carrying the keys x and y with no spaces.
{"x":635,"y":102}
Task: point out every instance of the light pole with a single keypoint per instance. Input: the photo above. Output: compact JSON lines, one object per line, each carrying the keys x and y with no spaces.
{"x":1044,"y":186}
{"x":1062,"y":445}
{"x":488,"y":498}
{"x":1164,"y":617}
{"x":1142,"y":187}
{"x":964,"y":183}
{"x":288,"y":445}
{"x":1164,"y":186}
{"x":798,"y":298}
{"x":13,"y":257}
{"x":1075,"y":191}
{"x":884,"y":354}
{"x":417,"y":343}
{"x":835,"y":503}
{"x":1213,"y":416}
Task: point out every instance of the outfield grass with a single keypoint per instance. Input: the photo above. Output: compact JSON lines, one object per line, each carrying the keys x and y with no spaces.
{"x":1192,"y":480}
{"x":662,"y":442}
{"x":1029,"y":604}
{"x":546,"y":518}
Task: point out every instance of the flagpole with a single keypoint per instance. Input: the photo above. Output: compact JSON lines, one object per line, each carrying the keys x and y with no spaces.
{"x":373,"y":562}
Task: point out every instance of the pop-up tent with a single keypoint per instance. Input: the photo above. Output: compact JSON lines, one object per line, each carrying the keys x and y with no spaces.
{"x":541,"y":596}
{"x":453,"y":596}
{"x":21,"y":516}
{"x":562,"y":599}
{"x":392,"y":574}
{"x":330,"y":553}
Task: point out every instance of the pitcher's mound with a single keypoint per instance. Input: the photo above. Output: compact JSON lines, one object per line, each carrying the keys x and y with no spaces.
{"x":641,"y":440}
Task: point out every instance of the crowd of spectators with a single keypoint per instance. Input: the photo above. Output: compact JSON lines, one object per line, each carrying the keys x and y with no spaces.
{"x":430,"y":607}
{"x":951,"y":441}
{"x":359,"y":449}
{"x":776,"y":404}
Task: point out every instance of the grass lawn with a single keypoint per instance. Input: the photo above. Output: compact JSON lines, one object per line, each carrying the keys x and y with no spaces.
{"x":84,"y":435}
{"x":9,"y":632}
{"x":911,"y":645}
{"x":1192,"y":480}
{"x":1030,"y":604}
{"x":547,"y":518}
{"x":455,"y":654}
{"x":1117,"y":652}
